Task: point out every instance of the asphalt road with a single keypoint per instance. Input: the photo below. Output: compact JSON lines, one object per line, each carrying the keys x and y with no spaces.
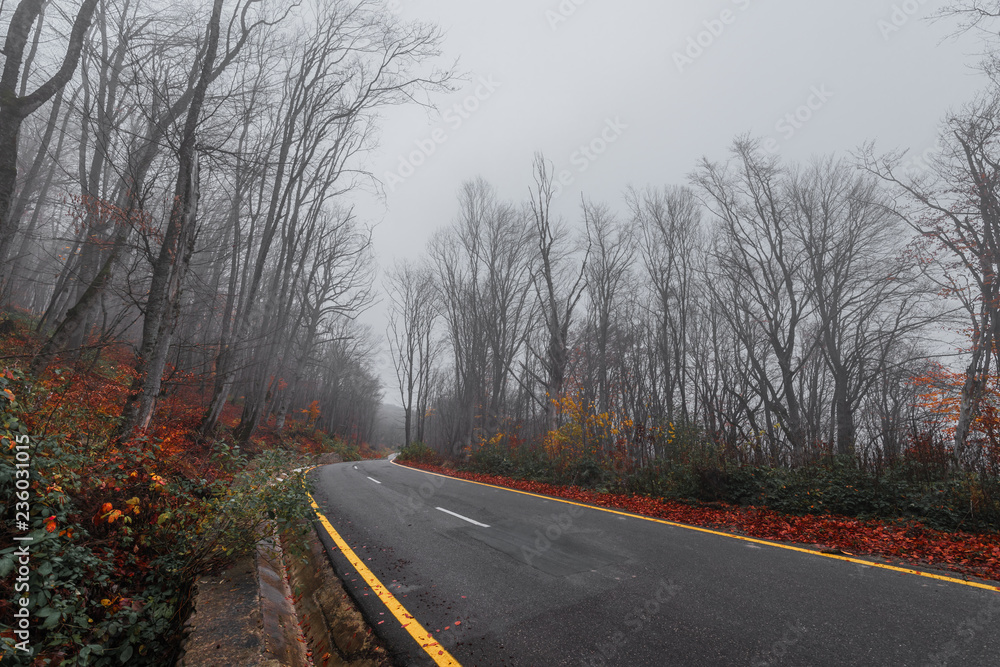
{"x":504,"y":578}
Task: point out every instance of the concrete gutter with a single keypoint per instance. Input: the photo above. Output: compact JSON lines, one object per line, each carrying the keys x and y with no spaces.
{"x":282,"y":607}
{"x":244,"y":616}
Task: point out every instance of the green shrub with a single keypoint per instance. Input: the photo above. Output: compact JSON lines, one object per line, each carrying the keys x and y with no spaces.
{"x":966,"y":502}
{"x":587,"y":472}
{"x":418,"y":452}
{"x":334,"y":444}
{"x":531,"y":463}
{"x":492,"y":460}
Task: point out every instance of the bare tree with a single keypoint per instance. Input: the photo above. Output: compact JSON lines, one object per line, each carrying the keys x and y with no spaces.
{"x":669,"y":227}
{"x":608,"y":274}
{"x":760,"y":280}
{"x":411,"y":328}
{"x":163,"y":304}
{"x":17,"y":105}
{"x":353,"y":60}
{"x":867,"y":290}
{"x":107,"y":236}
{"x":336,"y":284}
{"x":558,"y":286}
{"x":460,"y":279}
{"x":957,"y":207}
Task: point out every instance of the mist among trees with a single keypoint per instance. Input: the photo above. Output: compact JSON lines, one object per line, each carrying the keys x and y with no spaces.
{"x":179,"y":190}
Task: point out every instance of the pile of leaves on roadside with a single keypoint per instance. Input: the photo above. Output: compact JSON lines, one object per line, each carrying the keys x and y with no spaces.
{"x":962,"y":552}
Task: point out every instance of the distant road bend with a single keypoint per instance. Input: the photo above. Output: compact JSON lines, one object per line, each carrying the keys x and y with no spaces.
{"x":499,"y":577}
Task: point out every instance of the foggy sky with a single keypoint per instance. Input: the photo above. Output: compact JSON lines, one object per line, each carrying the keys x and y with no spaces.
{"x":636,"y":92}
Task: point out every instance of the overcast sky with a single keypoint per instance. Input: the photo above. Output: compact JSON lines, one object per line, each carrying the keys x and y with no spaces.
{"x":636,"y":92}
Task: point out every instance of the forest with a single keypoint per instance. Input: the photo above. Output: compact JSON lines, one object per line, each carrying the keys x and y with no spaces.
{"x":181,"y":190}
{"x":182,"y":276}
{"x":181,"y":279}
{"x":764,"y":315}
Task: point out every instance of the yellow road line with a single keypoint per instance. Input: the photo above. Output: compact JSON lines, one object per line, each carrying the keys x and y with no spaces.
{"x":423,"y":638}
{"x":787,"y":547}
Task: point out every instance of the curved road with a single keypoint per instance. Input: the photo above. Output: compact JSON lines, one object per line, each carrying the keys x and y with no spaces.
{"x":504,"y":578}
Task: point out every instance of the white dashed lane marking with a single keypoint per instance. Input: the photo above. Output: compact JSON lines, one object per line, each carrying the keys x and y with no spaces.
{"x":463,"y":518}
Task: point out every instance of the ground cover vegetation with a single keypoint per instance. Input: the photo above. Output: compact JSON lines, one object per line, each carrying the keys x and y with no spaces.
{"x":121,"y":528}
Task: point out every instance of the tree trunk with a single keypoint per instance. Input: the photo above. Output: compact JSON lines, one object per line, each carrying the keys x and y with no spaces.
{"x":171,"y":264}
{"x":14,"y":109}
{"x":10,"y":126}
{"x":73,"y":325}
{"x":846,"y":428}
